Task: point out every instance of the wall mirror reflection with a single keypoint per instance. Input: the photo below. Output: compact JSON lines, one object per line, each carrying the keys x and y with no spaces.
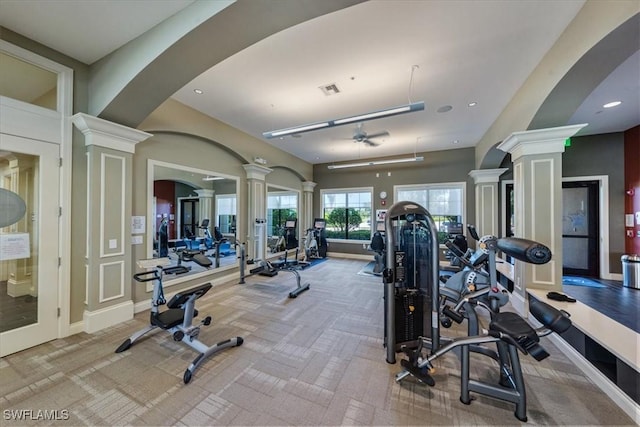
{"x":282,"y":220}
{"x":193,"y":216}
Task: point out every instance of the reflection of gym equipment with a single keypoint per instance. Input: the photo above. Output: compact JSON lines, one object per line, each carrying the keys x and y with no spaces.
{"x":315,"y":244}
{"x":218,"y":243}
{"x":163,"y":238}
{"x":412,"y":307}
{"x":177,"y":320}
{"x":378,"y":248}
{"x":286,"y":239}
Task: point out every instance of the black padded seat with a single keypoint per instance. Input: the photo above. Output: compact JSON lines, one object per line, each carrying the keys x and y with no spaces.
{"x":181,"y":297}
{"x":520,"y":332}
{"x":513,"y":325}
{"x":168,"y":318}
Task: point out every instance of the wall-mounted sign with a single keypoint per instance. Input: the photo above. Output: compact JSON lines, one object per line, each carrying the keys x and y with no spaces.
{"x":14,"y":246}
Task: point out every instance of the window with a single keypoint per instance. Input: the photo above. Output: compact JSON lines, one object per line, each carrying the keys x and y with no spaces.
{"x":445,"y":203}
{"x":226,"y":211}
{"x":281,"y":206}
{"x":348,"y":213}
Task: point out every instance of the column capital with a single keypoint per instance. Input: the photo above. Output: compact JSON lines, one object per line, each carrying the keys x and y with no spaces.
{"x":204,"y":192}
{"x":108,"y":134}
{"x":308,"y":186}
{"x":538,"y":141}
{"x":487,"y":175}
{"x":256,"y":171}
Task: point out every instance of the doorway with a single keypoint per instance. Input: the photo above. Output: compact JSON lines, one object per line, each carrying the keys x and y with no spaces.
{"x":189,"y":226}
{"x":580,"y":228}
{"x":28,"y":243}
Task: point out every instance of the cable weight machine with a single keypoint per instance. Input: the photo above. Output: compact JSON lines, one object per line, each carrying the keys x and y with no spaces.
{"x":411,"y":279}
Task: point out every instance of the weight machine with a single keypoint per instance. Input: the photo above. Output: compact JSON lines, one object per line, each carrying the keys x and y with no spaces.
{"x":412,"y":309}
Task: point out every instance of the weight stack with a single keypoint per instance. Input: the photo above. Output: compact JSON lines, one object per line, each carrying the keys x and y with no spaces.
{"x":409,"y":316}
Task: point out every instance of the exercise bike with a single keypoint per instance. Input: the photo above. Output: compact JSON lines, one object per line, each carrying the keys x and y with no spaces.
{"x":177,"y":320}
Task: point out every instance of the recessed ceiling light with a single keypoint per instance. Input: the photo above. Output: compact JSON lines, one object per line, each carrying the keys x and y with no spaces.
{"x":198,"y":91}
{"x":455,"y":141}
{"x":612,"y":104}
{"x":445,"y":109}
{"x":472,"y":104}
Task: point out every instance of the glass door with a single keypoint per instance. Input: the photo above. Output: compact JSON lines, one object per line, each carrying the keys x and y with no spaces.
{"x":29,"y":238}
{"x":580,"y":224}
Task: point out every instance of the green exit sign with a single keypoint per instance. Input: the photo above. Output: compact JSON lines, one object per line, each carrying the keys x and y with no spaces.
{"x":567,"y":142}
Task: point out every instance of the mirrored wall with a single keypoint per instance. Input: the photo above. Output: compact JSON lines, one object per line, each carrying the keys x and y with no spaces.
{"x":283,"y":225}
{"x":192,"y":212}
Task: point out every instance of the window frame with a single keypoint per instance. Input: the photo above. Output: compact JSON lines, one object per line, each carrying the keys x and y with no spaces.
{"x":459,"y":185}
{"x":345,"y":191}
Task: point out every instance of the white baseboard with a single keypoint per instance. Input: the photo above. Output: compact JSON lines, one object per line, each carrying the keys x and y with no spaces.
{"x":76,"y":328}
{"x":628,"y":405}
{"x":95,"y":321}
{"x":350,"y":256}
{"x":613,"y":276}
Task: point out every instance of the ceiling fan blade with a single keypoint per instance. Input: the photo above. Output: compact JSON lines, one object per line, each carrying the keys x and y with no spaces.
{"x":378,"y":135}
{"x":370,"y":143}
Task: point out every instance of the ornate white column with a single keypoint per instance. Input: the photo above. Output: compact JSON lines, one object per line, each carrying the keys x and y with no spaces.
{"x":110,"y":149}
{"x":537,"y":184}
{"x":306,"y":219}
{"x":256,"y":209}
{"x":486,"y":181}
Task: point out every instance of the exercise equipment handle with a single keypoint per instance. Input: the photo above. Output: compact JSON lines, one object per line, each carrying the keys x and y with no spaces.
{"x":146,"y":276}
{"x":525,"y":250}
{"x":457,"y":252}
{"x":473,"y":232}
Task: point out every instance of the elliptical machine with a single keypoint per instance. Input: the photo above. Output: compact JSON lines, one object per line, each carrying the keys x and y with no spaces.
{"x":315,"y":244}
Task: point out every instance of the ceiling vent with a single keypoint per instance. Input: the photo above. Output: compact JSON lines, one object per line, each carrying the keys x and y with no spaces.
{"x":329,"y":89}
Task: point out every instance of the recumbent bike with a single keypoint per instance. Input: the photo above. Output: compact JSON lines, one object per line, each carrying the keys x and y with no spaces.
{"x":177,"y":320}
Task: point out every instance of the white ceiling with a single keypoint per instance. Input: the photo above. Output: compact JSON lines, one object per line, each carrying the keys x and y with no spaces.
{"x":378,"y":53}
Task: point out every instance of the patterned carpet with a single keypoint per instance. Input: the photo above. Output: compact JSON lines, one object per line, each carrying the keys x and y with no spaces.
{"x":314,"y":360}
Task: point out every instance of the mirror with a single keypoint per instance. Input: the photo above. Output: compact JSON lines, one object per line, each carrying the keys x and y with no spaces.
{"x":192,"y":215}
{"x":283,"y":219}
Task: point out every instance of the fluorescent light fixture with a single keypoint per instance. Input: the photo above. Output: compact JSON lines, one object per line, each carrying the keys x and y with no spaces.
{"x":416,"y":106}
{"x":408,"y":108}
{"x":212,"y":178}
{"x":612,"y":104}
{"x":376,"y":162}
{"x":297,"y":129}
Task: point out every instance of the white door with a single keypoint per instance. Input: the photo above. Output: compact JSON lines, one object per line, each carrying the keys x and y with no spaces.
{"x":29,"y":241}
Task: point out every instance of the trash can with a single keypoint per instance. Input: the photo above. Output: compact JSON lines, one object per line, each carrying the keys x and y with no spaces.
{"x":631,"y":271}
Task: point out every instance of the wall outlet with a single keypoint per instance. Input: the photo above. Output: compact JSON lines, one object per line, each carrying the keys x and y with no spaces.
{"x":113,"y":243}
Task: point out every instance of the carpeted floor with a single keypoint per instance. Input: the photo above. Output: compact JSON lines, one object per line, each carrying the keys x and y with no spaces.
{"x":314,"y":360}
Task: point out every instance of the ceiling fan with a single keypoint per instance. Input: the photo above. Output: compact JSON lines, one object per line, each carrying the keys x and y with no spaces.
{"x":360,"y":135}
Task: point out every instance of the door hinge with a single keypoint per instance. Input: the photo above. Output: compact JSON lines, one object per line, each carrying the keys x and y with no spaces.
{"x":58,"y":311}
{"x":59,"y":261}
{"x":60,"y":211}
{"x":60,"y":162}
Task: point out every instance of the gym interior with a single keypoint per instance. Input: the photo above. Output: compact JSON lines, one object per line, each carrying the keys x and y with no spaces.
{"x":494,"y":282}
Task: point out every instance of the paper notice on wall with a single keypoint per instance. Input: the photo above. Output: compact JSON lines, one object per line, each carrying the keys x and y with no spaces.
{"x":138,"y":225}
{"x":14,"y":246}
